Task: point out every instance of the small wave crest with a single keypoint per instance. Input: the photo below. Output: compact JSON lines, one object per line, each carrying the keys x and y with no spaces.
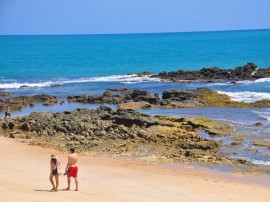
{"x":124,"y":79}
{"x":261,"y":162}
{"x":246,"y":96}
{"x":263,"y":80}
{"x":263,"y":114}
{"x":30,"y":85}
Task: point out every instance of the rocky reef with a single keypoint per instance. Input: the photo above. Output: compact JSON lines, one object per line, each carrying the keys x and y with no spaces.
{"x":137,"y":99}
{"x":200,"y":97}
{"x":5,"y":93}
{"x":246,"y":72}
{"x":121,"y":132}
{"x":111,"y":98}
{"x":17,"y":103}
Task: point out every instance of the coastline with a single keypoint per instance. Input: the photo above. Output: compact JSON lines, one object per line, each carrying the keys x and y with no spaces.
{"x":200,"y":131}
{"x":55,"y":104}
{"x":194,"y":148}
{"x":110,"y":179}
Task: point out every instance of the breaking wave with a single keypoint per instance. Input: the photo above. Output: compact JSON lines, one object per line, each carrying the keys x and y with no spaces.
{"x":263,"y":80}
{"x":124,"y":79}
{"x":246,"y":96}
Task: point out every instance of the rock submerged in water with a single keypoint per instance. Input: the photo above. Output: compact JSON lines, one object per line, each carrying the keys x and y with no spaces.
{"x":239,"y":137}
{"x":137,"y":99}
{"x":260,"y":143}
{"x":117,"y":89}
{"x":24,"y":86}
{"x":259,"y":124}
{"x":50,"y":103}
{"x":5,"y":93}
{"x":144,"y":74}
{"x":17,"y":103}
{"x":111,"y":98}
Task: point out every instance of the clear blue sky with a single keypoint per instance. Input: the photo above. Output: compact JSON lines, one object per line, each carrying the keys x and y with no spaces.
{"x":130,"y":16}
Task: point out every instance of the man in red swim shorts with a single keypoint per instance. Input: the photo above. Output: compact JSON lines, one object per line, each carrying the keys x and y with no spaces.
{"x":72,"y":168}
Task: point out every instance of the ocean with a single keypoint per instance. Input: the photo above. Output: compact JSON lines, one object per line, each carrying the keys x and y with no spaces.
{"x":89,"y":64}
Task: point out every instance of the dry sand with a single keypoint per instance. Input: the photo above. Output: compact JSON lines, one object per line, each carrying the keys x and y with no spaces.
{"x":25,"y":171}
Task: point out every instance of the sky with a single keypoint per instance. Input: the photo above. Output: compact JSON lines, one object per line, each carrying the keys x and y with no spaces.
{"x":42,"y":17}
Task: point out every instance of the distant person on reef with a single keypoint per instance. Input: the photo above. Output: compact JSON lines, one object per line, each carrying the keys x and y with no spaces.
{"x":7,"y":112}
{"x":72,"y":168}
{"x":54,"y":172}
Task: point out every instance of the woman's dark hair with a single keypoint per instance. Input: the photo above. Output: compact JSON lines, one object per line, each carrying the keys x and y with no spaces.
{"x":54,"y":161}
{"x":72,"y":150}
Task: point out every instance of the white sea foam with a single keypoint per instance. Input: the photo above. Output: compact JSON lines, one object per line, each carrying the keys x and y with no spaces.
{"x":125,"y":79}
{"x":261,"y":162}
{"x":246,"y":96}
{"x":263,"y":114}
{"x":262,"y":80}
{"x":18,"y":85}
{"x":221,"y":84}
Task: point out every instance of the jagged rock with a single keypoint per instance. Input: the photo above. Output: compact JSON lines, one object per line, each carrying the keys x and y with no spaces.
{"x":260,"y":143}
{"x":246,"y":72}
{"x":110,"y":131}
{"x":25,"y":126}
{"x":144,"y":74}
{"x":4,"y":126}
{"x":239,"y":137}
{"x":259,"y":124}
{"x":17,"y":103}
{"x":24,"y":86}
{"x":109,"y":94}
{"x":242,"y":161}
{"x":18,"y":135}
{"x":236,"y":143}
{"x":5,"y":93}
{"x":32,"y":104}
{"x":110,"y":98}
{"x":50,"y":103}
{"x":117,"y":89}
{"x":11,"y":125}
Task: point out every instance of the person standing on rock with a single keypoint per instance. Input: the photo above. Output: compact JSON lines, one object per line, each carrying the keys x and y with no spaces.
{"x":54,"y":164}
{"x":72,"y":168}
{"x":7,"y":112}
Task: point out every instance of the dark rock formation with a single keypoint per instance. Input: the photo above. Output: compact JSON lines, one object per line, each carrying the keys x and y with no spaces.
{"x":246,"y":72}
{"x":144,"y":74}
{"x":117,"y":89}
{"x":206,"y":97}
{"x":107,"y":131}
{"x":5,"y":93}
{"x":110,"y":98}
{"x":17,"y":103}
{"x":258,"y":124}
{"x":107,"y":97}
{"x":143,"y":95}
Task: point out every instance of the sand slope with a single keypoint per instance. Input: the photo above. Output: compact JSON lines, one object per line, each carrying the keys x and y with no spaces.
{"x":25,"y":171}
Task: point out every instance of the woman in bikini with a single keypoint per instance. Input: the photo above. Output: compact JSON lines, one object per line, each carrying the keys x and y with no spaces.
{"x":54,"y":164}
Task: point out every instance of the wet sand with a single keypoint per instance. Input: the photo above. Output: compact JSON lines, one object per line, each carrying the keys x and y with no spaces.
{"x":25,"y":171}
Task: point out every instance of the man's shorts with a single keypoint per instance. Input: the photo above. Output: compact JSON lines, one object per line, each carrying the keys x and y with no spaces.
{"x":73,"y":171}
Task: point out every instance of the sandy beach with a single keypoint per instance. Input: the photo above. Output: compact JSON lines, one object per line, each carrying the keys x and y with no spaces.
{"x":25,"y":171}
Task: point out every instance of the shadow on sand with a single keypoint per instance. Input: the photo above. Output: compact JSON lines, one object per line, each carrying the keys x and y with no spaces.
{"x":46,"y":190}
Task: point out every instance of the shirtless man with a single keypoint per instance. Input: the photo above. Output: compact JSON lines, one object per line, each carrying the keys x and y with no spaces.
{"x":72,"y":168}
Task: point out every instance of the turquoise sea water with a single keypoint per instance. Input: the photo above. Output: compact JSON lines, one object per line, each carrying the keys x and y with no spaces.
{"x":44,"y":57}
{"x":79,"y":63}
{"x":89,"y":64}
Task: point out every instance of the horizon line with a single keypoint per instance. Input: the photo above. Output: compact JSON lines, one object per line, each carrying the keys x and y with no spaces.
{"x":135,"y":33}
